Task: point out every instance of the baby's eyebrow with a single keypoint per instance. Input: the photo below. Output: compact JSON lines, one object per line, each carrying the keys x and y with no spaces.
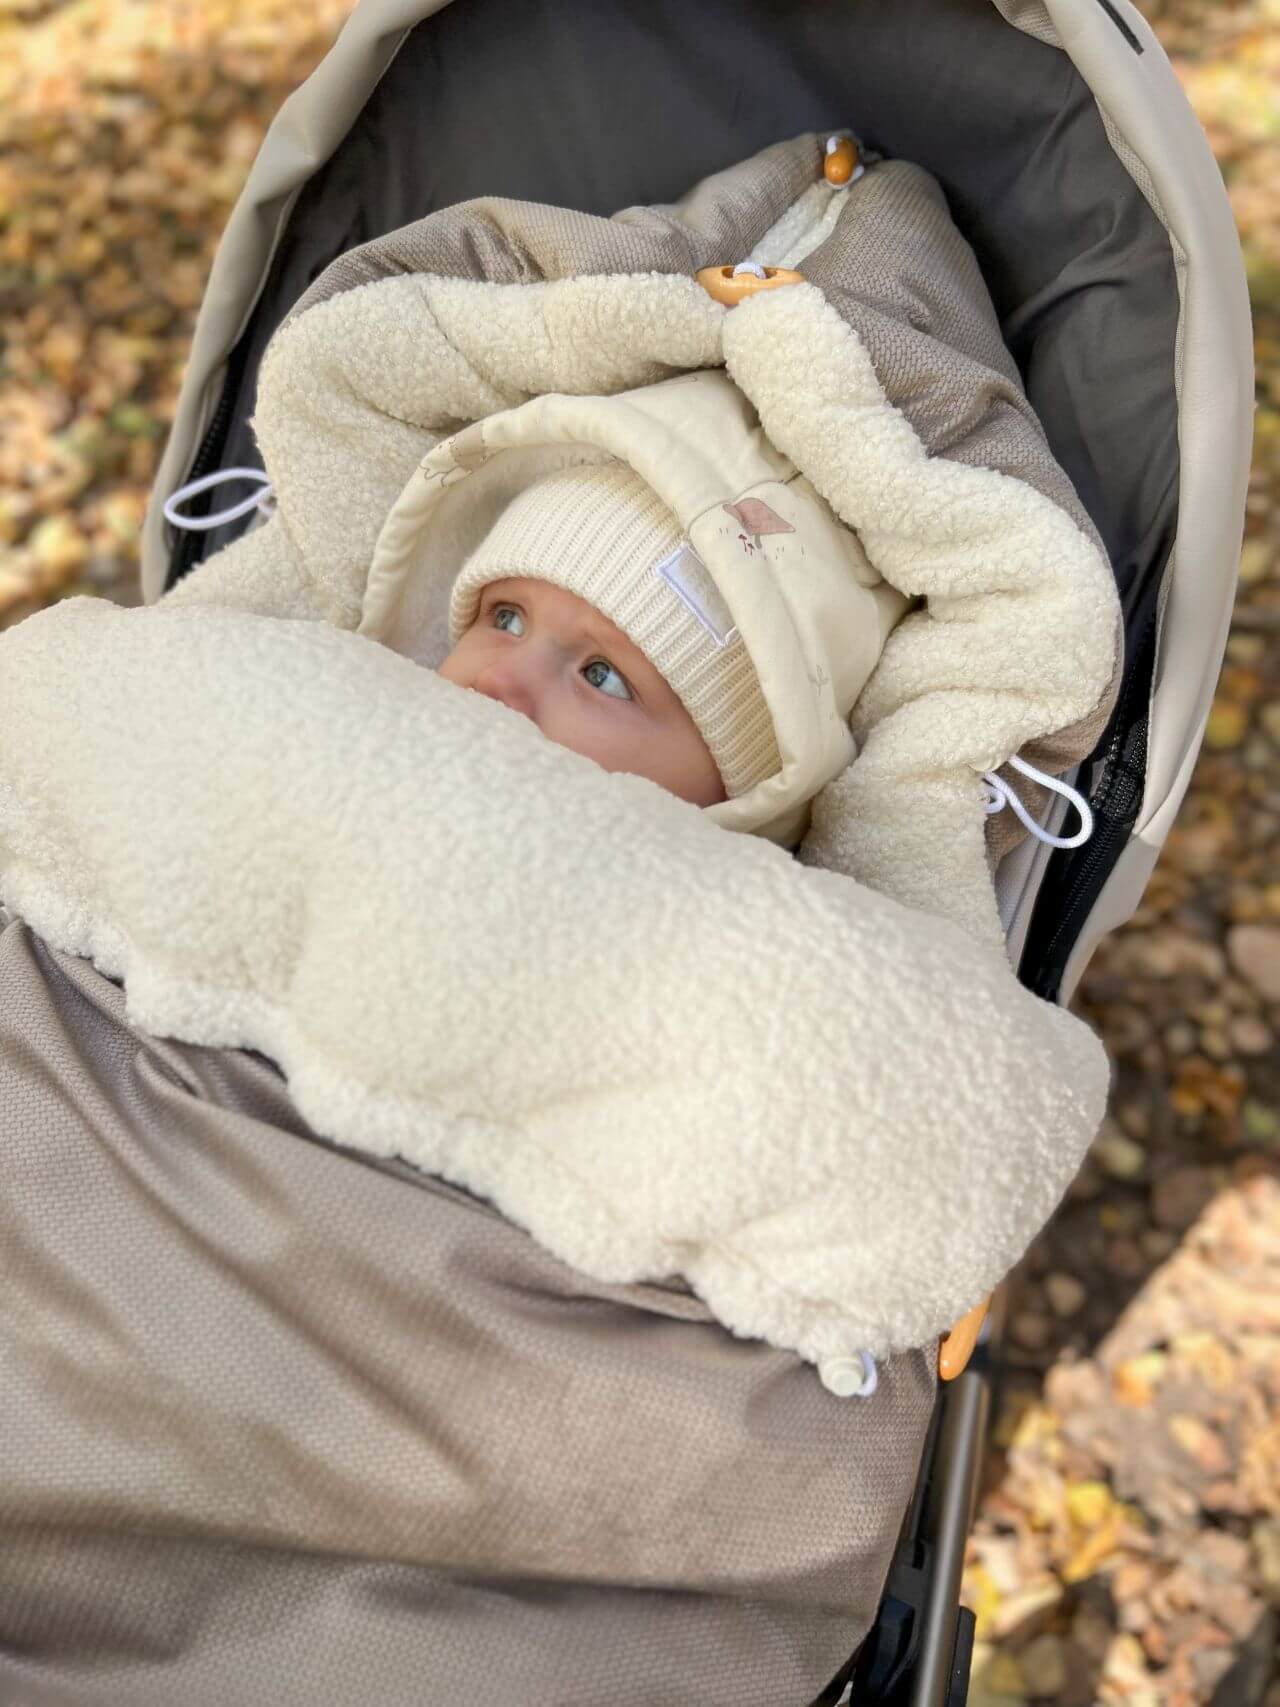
{"x":597,"y":635}
{"x":600,"y":632}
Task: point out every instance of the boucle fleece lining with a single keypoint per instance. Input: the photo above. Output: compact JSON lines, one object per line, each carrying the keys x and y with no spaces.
{"x":1017,"y":639}
{"x":658,"y":1047}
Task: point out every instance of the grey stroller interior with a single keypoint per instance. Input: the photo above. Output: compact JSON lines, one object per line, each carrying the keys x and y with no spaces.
{"x":602,"y":104}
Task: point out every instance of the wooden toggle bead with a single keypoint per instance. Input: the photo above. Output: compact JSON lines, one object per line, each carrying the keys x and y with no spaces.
{"x":722,"y":284}
{"x":841,"y":161}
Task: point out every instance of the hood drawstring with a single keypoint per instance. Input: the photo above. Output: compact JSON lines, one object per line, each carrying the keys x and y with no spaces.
{"x":999,"y":794}
{"x":261,"y":500}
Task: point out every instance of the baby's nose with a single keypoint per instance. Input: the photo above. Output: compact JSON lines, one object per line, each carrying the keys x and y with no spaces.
{"x":511,"y":686}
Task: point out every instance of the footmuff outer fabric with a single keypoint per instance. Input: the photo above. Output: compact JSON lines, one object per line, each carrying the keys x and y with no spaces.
{"x":286,"y":1424}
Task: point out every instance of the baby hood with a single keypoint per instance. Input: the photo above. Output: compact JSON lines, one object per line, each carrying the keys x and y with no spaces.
{"x":763,"y":555}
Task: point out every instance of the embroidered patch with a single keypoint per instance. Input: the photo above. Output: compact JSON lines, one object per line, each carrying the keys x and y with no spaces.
{"x":756,"y":516}
{"x":690,"y":580}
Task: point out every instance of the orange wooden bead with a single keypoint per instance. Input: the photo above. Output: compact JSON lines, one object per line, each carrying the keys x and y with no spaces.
{"x":730,"y":288}
{"x":841,"y":161}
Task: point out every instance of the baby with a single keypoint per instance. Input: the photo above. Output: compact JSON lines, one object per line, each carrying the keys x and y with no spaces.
{"x":585,"y":609}
{"x":549,"y":654}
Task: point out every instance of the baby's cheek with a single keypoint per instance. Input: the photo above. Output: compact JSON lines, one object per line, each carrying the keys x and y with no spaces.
{"x":589,"y":735}
{"x":460,"y":664}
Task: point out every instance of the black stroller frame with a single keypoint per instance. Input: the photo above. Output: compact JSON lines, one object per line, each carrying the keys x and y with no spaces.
{"x":1070,"y":160}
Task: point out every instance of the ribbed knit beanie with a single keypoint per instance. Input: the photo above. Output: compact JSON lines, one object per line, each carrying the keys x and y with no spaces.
{"x":601,"y":532}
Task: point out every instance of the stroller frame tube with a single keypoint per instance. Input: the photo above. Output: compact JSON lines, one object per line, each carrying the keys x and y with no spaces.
{"x":948,"y":1514}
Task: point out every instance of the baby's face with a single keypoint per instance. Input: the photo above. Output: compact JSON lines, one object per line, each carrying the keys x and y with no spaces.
{"x":550,"y":655}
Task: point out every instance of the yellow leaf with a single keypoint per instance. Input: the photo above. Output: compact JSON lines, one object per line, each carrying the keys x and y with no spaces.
{"x":1100,"y":1546}
{"x":1090,"y":1504}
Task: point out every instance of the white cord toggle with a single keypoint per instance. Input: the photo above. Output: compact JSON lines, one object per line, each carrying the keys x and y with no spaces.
{"x":749,"y":267}
{"x":849,"y":1377}
{"x":259,"y":500}
{"x":1001,"y":795}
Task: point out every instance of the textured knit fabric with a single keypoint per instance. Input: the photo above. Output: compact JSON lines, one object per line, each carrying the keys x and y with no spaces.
{"x":604,"y":535}
{"x":521,"y":242}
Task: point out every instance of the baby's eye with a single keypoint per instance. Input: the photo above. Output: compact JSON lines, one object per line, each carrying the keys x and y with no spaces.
{"x":508,"y":618}
{"x":602,"y":675}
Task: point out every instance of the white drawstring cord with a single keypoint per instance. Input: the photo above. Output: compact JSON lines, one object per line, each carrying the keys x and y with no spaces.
{"x":753,"y":267}
{"x":1001,"y":795}
{"x":260,"y":500}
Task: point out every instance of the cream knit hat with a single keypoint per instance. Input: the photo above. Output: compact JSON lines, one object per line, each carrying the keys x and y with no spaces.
{"x":599,"y":531}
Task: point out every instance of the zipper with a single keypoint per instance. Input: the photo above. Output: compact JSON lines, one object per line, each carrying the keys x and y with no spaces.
{"x":1068,"y":894}
{"x":189,"y":548}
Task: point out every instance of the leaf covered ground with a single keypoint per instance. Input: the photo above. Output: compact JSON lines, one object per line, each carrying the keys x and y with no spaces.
{"x":1127,"y":1543}
{"x":126,"y":130}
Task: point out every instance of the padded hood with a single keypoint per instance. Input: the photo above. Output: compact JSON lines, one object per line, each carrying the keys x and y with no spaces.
{"x":882,"y":378}
{"x":812,"y":611}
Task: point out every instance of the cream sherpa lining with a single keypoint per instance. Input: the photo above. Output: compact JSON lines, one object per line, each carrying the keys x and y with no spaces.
{"x":1016,"y":640}
{"x":1018,"y":636}
{"x":323,"y":875}
{"x":658,"y":1047}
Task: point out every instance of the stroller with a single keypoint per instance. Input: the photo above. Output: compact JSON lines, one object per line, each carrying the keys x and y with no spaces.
{"x":1076,"y":171}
